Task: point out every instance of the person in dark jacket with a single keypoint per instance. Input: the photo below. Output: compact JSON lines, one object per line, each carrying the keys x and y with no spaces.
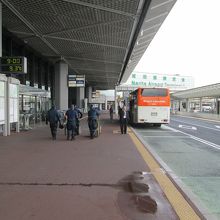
{"x":123,"y":119}
{"x":92,"y":120}
{"x":53,"y":117}
{"x":71,"y":116}
{"x":111,"y":113}
{"x":80,"y":114}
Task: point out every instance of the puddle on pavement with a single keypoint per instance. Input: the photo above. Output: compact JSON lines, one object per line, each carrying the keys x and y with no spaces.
{"x":139,"y":198}
{"x":134,"y":183}
{"x":145,"y":203}
{"x":135,"y":200}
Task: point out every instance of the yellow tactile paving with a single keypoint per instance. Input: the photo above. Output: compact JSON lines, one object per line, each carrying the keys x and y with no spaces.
{"x":119,"y":132}
{"x":179,"y":203}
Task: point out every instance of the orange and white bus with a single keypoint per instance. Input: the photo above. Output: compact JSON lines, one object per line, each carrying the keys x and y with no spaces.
{"x":150,"y":105}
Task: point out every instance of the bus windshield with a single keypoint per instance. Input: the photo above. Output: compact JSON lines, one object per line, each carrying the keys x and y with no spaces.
{"x":153,"y":92}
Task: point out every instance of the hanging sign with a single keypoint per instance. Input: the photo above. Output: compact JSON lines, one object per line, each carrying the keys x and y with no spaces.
{"x":13,"y":65}
{"x":76,"y":80}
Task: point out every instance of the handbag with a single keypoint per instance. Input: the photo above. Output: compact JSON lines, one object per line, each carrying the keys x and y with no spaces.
{"x":61,"y":126}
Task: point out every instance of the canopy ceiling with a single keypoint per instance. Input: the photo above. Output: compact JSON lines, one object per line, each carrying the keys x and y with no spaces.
{"x":204,"y":91}
{"x":101,"y":39}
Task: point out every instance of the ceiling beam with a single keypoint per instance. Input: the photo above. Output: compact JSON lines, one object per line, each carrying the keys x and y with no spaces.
{"x":86,"y":26}
{"x":97,"y":70}
{"x":101,"y":8}
{"x":53,"y":8}
{"x":103,"y":81}
{"x":86,"y":42}
{"x":28,"y":24}
{"x":137,"y":27}
{"x":93,"y":60}
{"x":24,"y":33}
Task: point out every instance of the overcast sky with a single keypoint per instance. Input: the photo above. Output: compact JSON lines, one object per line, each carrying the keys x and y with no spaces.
{"x":188,"y":43}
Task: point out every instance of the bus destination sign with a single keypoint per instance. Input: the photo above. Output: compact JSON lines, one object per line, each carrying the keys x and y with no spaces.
{"x":14,"y":65}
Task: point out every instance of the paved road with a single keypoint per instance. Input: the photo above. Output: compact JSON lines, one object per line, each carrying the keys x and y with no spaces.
{"x":191,"y":149}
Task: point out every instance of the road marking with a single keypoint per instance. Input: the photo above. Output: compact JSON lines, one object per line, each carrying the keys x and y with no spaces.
{"x":176,"y":199}
{"x":148,"y":131}
{"x":203,"y":119}
{"x":216,"y":146}
{"x":195,"y":124}
{"x":187,"y":127}
{"x":217,"y":126}
{"x":171,"y":136}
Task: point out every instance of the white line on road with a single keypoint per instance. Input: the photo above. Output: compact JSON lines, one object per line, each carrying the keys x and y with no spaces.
{"x":216,"y":146}
{"x":195,"y":124}
{"x":169,"y":136}
{"x":162,"y":129}
{"x":148,"y":131}
{"x":217,"y":126}
{"x":187,"y":127}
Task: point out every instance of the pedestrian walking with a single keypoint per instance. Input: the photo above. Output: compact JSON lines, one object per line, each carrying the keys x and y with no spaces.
{"x":71,"y":117}
{"x":111,"y":113}
{"x":93,"y":115}
{"x":79,"y":115}
{"x":53,"y":118}
{"x":123,"y":119}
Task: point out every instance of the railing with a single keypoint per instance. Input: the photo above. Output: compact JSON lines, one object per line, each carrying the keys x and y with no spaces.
{"x":31,"y":120}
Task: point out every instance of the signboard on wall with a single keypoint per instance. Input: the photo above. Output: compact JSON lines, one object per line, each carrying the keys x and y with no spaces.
{"x":76,"y":80}
{"x":13,"y":65}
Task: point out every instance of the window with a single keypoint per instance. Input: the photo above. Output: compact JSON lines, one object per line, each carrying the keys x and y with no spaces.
{"x":174,"y":78}
{"x":134,"y":76}
{"x":183,"y":80}
{"x":144,"y":77}
{"x":154,"y":92}
{"x":164,"y":78}
{"x":155,"y":77}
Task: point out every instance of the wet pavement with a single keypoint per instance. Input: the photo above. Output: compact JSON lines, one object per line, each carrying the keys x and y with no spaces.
{"x":103,"y":178}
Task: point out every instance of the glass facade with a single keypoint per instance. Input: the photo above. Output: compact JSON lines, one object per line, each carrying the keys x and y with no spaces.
{"x":33,"y":105}
{"x":40,"y":71}
{"x":36,"y":86}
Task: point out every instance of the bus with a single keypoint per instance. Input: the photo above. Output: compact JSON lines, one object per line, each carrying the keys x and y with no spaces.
{"x":149,"y":105}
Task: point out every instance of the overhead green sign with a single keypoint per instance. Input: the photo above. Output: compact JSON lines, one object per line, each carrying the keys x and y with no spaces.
{"x":14,"y":65}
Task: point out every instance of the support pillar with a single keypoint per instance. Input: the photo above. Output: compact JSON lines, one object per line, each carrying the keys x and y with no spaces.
{"x":12,"y":104}
{"x":172,"y":106}
{"x":200,"y":104}
{"x":179,"y":107}
{"x":80,"y":96}
{"x":116,"y":103}
{"x":0,"y":29}
{"x":3,"y":107}
{"x":3,"y":78}
{"x":187,"y":105}
{"x":85,"y":105}
{"x":106,"y":103}
{"x":218,"y":106}
{"x":89,"y":94}
{"x":61,"y":87}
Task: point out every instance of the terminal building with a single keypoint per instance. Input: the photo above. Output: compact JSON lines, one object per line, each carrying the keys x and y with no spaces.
{"x":71,"y":48}
{"x":63,"y":52}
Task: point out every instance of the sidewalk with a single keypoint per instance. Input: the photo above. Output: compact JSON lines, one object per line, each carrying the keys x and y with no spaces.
{"x":84,"y":179}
